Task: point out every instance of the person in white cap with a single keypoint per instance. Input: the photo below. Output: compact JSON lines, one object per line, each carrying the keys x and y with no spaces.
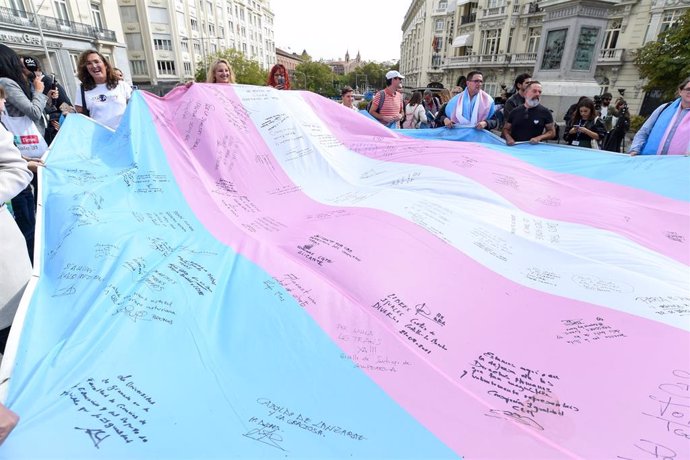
{"x":387,"y":106}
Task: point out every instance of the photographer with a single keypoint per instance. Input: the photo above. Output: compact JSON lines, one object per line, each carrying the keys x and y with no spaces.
{"x":615,"y":137}
{"x":58,"y":102}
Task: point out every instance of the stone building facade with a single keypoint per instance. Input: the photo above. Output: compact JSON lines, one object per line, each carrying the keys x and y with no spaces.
{"x":167,"y":39}
{"x":58,"y":31}
{"x":443,"y":39}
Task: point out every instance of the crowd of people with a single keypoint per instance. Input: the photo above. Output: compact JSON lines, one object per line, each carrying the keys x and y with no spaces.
{"x":34,"y":106}
{"x":595,"y":123}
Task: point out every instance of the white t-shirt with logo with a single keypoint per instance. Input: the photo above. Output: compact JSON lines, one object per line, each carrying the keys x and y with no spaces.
{"x":106,"y":105}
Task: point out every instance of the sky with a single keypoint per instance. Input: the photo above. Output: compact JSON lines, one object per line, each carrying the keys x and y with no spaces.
{"x":327,"y":28}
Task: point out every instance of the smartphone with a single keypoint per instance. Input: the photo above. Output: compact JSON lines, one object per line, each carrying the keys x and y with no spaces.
{"x":54,"y":82}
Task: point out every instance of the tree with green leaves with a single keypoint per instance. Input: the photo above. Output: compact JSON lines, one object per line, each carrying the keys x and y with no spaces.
{"x":372,"y":74}
{"x":247,"y":71}
{"x":665,"y":62}
{"x":316,"y":77}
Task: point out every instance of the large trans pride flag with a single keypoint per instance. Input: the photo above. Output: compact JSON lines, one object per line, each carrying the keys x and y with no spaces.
{"x":240,"y":272}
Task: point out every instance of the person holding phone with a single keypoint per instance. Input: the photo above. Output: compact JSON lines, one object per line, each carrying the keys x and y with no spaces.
{"x":23,"y":103}
{"x":278,"y":77}
{"x":58,"y":101}
{"x":584,"y":128}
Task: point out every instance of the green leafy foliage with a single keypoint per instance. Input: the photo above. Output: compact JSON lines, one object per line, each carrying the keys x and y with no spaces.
{"x":316,"y":77}
{"x":665,"y":62}
{"x":246,"y":71}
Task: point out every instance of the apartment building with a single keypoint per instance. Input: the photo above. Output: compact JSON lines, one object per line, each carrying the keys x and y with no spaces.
{"x":443,"y":39}
{"x":167,"y":39}
{"x":58,"y":31}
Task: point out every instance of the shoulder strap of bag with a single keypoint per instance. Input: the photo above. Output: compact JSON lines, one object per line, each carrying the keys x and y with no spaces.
{"x":84,"y":108}
{"x":383,"y":96}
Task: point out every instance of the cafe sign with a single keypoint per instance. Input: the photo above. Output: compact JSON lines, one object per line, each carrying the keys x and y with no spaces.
{"x":27,"y":39}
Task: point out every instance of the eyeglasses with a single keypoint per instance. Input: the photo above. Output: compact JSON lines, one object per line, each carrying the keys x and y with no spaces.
{"x":476,"y":81}
{"x":685,"y":90}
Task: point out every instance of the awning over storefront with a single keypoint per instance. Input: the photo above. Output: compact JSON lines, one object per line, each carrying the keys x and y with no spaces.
{"x":463,"y":40}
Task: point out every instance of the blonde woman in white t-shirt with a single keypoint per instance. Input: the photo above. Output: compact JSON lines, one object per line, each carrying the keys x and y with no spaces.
{"x":415,"y":114}
{"x":102,"y":95}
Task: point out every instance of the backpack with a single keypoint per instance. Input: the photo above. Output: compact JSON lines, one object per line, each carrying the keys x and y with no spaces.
{"x":380,"y":104}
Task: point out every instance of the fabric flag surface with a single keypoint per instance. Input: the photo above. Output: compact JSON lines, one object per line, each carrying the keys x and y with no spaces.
{"x":240,"y":272}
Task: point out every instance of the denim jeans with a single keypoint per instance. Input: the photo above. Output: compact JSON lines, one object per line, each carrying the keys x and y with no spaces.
{"x":25,"y":216}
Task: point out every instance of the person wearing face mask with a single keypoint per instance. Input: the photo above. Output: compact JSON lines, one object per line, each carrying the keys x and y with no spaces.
{"x":531,"y":121}
{"x":220,"y":71}
{"x":102,"y":95}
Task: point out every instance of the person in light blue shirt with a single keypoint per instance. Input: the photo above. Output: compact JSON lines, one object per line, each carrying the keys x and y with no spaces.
{"x":667,"y":130}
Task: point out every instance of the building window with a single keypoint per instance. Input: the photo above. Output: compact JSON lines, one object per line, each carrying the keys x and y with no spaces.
{"x":490,"y":41}
{"x":187,"y":68}
{"x":212,"y":29}
{"x":74,"y":59}
{"x":612,"y":34}
{"x":442,"y":4}
{"x":96,"y":16}
{"x":197,"y":48}
{"x":533,"y":40}
{"x":184,"y":46}
{"x":162,"y":44}
{"x":194,"y":24}
{"x":138,"y":67}
{"x":166,"y":67}
{"x":134,"y":42}
{"x":159,"y":15}
{"x":17,"y":7}
{"x":439,"y":24}
{"x":129,"y":14}
{"x":670,"y":19}
{"x":61,"y":12}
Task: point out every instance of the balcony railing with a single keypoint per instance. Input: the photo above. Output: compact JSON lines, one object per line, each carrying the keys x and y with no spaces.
{"x":16,"y":17}
{"x":612,"y":55}
{"x":491,"y":59}
{"x":497,"y":11}
{"x":523,"y":58}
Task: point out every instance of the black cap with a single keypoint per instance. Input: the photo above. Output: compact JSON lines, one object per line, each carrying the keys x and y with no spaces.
{"x":30,"y":63}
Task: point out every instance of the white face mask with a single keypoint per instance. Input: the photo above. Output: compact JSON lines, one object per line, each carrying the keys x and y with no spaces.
{"x":532,"y":102}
